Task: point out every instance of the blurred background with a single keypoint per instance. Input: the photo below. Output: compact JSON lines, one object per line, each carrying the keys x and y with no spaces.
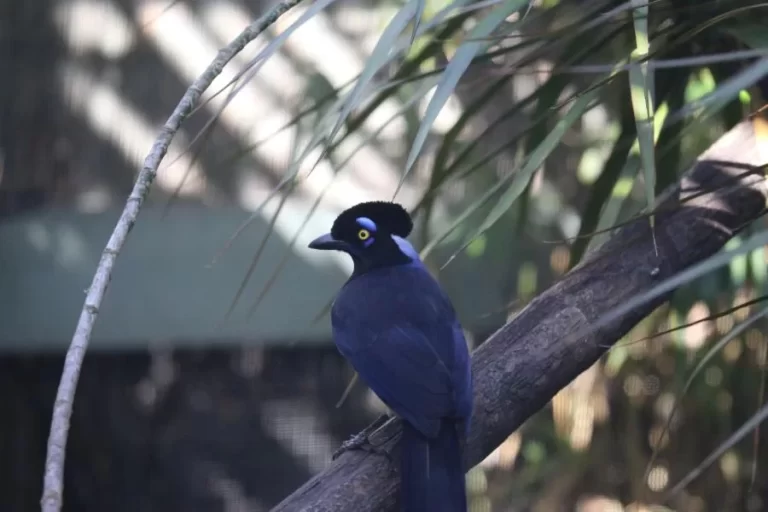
{"x":212,"y":380}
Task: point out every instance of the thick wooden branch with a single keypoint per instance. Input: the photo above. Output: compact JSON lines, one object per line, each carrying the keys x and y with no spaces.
{"x":521,"y":367}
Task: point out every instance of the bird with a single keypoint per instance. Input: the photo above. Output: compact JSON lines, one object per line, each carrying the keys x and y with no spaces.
{"x":398,"y":329}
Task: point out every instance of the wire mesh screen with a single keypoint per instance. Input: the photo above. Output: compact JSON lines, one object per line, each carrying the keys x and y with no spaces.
{"x":194,"y":431}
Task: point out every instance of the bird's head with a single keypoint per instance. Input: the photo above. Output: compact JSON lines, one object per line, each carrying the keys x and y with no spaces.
{"x":373,"y":234}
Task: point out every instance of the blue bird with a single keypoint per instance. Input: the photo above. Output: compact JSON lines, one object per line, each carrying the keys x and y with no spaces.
{"x":398,"y":329}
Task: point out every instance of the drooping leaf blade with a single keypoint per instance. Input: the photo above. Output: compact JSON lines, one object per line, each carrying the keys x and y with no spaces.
{"x":725,"y":93}
{"x":717,"y":347}
{"x":641,"y":89}
{"x":380,"y":56}
{"x":520,"y":179}
{"x":752,"y":423}
{"x":420,"y":5}
{"x":453,"y":73}
{"x":701,"y":268}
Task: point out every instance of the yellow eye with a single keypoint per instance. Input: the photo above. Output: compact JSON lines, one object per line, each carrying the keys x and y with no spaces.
{"x":363,"y":234}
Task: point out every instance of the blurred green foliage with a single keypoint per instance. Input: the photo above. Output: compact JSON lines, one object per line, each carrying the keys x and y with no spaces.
{"x":550,"y":148}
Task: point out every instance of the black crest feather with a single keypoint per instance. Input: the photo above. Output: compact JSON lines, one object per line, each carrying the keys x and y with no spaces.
{"x":389,"y":217}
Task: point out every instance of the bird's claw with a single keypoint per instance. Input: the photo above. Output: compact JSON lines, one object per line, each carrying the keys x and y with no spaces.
{"x":361,"y":440}
{"x":362,"y":443}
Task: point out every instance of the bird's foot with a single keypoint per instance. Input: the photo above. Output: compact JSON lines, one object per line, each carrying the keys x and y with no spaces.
{"x":361,"y":441}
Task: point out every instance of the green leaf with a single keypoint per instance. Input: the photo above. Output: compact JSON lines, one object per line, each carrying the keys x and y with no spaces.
{"x":288,"y":250}
{"x":419,"y":28}
{"x":400,"y":111}
{"x":760,"y":416}
{"x":738,"y":265}
{"x":380,"y":56}
{"x":520,"y":179}
{"x":619,"y":195}
{"x":477,"y":248}
{"x":612,"y":172}
{"x":641,"y":87}
{"x":757,"y":266}
{"x":405,"y":73}
{"x":323,"y":125}
{"x":576,"y":48}
{"x":420,"y":5}
{"x":253,"y":67}
{"x":717,"y":347}
{"x":274,"y":45}
{"x":389,"y":46}
{"x":669,"y":140}
{"x":722,"y":95}
{"x":453,"y":73}
{"x":714,"y":262}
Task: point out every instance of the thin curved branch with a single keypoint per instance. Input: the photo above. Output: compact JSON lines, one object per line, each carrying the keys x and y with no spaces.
{"x":53,"y":482}
{"x":520,"y":368}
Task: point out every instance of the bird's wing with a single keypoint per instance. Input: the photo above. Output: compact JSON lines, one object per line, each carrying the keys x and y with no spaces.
{"x":403,"y":368}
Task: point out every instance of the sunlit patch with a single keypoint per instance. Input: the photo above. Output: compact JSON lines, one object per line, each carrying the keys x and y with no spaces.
{"x":95,"y":27}
{"x":601,"y":503}
{"x":131,"y":132}
{"x":697,"y":334}
{"x":560,"y":258}
{"x":729,"y":465}
{"x":633,"y":386}
{"x":658,"y":437}
{"x":732,"y":350}
{"x":658,"y":478}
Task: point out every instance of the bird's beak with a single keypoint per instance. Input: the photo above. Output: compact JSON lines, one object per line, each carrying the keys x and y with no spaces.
{"x":327,"y":243}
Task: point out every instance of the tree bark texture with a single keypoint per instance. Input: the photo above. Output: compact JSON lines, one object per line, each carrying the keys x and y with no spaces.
{"x":521,"y":367}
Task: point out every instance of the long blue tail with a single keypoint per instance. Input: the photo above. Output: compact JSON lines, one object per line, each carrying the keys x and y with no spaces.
{"x":432,"y":471}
